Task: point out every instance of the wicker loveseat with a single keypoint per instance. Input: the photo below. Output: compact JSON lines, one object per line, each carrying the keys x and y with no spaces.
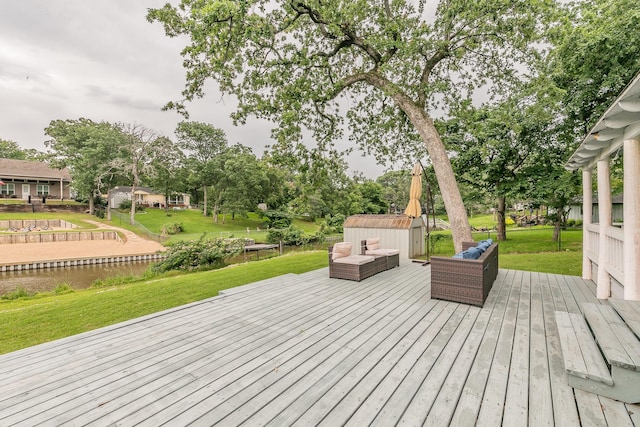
{"x":371,"y":246}
{"x":464,"y":280}
{"x":343,"y":265}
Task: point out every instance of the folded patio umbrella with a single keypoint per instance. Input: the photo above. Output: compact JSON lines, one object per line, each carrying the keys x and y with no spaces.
{"x":415,"y":191}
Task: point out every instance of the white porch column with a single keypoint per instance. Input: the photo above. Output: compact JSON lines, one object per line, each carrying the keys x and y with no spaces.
{"x":587,"y":206}
{"x":631,"y":212}
{"x":603,"y":290}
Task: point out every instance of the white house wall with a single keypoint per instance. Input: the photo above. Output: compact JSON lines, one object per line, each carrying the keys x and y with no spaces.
{"x":617,"y":210}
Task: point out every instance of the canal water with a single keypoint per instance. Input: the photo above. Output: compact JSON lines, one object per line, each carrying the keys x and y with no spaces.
{"x":81,"y":277}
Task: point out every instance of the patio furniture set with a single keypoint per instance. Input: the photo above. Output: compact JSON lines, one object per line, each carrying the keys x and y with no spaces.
{"x":466,"y":277}
{"x":372,"y":260}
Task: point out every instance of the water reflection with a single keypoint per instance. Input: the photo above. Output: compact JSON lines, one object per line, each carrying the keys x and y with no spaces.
{"x":80,"y":277}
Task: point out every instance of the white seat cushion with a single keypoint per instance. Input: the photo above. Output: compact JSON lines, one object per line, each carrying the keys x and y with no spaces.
{"x":385,"y":252}
{"x":354,"y":259}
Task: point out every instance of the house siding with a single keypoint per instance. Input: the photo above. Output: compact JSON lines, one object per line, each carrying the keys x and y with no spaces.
{"x":22,"y":178}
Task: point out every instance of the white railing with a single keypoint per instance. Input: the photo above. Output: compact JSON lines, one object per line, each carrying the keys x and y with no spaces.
{"x":615,"y":253}
{"x":614,"y":249}
{"x":593,"y":237}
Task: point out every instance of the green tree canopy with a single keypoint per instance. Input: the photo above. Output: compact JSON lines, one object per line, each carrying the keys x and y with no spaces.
{"x":596,"y":54}
{"x":87,"y":148}
{"x":500,"y":149}
{"x":140,"y":146}
{"x":203,"y":143}
{"x":12,"y":150}
{"x":380,"y":67}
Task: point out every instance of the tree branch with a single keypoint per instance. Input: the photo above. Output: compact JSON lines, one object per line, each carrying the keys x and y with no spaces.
{"x":345,"y":28}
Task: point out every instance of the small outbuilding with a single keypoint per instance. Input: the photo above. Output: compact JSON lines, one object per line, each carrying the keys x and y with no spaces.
{"x":400,"y":232}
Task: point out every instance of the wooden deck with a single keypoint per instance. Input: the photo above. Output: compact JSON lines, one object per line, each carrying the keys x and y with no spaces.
{"x":309,"y":350}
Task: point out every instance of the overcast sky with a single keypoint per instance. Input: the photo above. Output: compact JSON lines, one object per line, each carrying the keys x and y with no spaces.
{"x":102,"y":60}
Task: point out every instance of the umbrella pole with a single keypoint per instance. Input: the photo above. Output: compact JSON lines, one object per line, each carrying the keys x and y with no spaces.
{"x":428,"y":205}
{"x":429,"y":208}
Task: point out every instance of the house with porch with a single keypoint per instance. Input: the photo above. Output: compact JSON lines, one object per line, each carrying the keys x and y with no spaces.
{"x":24,"y":179}
{"x":611,"y":253}
{"x":148,"y":197}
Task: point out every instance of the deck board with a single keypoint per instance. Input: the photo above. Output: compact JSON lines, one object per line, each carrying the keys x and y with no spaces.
{"x":309,"y":350}
{"x":468,"y":405}
{"x":492,"y":407}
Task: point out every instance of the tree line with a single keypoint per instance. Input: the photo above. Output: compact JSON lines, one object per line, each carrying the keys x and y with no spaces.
{"x":400,"y":76}
{"x":493,"y":96}
{"x":222,"y":178}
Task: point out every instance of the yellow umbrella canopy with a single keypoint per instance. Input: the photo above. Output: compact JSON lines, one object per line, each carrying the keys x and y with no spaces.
{"x":413,"y":207}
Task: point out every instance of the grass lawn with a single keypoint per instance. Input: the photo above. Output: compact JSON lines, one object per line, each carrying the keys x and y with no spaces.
{"x":78,"y":219}
{"x":531,"y":249}
{"x":27,"y":322}
{"x":569,"y":263}
{"x":195,"y":224}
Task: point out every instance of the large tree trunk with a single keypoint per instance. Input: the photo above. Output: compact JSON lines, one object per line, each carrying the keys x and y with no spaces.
{"x":109,"y":205}
{"x":92,"y":204}
{"x":132,"y":213}
{"x":558,"y":224}
{"x":502,"y":226}
{"x":456,"y":211}
{"x":205,"y":200}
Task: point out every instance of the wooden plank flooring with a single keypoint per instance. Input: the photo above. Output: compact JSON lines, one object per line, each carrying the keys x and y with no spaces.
{"x":309,"y":350}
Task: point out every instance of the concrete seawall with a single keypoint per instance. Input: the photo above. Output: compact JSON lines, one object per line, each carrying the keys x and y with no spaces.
{"x":36,"y":265}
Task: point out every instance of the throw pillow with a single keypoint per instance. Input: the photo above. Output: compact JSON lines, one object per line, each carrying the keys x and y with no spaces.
{"x":341,"y":250}
{"x":373,"y":243}
{"x":474,"y":253}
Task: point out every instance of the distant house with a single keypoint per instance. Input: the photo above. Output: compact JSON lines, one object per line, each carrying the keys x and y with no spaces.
{"x":23,"y":179}
{"x":617,"y":207}
{"x":146,"y":196}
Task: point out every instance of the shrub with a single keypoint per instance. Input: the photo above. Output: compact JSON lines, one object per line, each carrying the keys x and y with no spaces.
{"x":571,"y":222}
{"x":291,"y":235}
{"x":509,"y":221}
{"x":125,"y":205}
{"x":172,"y":228}
{"x":335,"y":223}
{"x":317,"y":237}
{"x":277,"y":219}
{"x":201,"y":254}
{"x":578,"y":223}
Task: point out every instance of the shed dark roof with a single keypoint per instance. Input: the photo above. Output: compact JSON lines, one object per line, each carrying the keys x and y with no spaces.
{"x":123,"y":189}
{"x":615,"y":199}
{"x":398,"y":222}
{"x":28,"y":169}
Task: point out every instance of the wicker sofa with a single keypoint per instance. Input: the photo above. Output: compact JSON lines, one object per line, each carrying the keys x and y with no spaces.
{"x":372,"y":247}
{"x":353,"y":267}
{"x":464,"y":280}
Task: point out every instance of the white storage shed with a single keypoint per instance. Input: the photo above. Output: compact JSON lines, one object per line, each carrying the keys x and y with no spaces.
{"x":395,"y":231}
